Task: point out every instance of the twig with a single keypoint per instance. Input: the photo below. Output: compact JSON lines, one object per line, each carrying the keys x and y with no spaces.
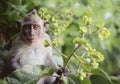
{"x":92,"y":34}
{"x":11,"y":38}
{"x":80,"y":63}
{"x":76,"y":57}
{"x":60,"y":53}
{"x":56,"y":11}
{"x":71,"y":55}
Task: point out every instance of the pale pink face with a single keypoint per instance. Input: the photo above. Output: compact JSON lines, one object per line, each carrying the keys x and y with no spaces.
{"x":31,"y":32}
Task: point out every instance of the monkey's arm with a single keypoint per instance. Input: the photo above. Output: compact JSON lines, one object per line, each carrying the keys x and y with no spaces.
{"x":59,"y":70}
{"x":13,"y":60}
{"x":14,"y":64}
{"x":51,"y":62}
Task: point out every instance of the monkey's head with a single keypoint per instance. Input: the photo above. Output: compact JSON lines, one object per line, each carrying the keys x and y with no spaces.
{"x":32,"y":27}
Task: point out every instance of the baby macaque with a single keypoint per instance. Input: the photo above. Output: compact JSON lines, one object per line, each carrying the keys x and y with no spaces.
{"x":29,"y":48}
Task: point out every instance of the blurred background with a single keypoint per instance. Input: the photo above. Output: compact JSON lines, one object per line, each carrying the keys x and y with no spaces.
{"x":106,"y":12}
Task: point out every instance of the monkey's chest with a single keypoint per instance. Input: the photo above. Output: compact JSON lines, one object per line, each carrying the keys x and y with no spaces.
{"x":32,"y":56}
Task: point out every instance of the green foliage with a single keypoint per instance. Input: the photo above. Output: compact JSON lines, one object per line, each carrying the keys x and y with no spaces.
{"x":98,"y":79}
{"x":28,"y":74}
{"x":103,"y":32}
{"x":99,"y":76}
{"x":87,"y":20}
{"x":86,"y":81}
{"x":81,"y":74}
{"x":72,"y":79}
{"x":3,"y":82}
{"x":115,"y":80}
{"x":46,"y":43}
{"x":76,"y":27}
{"x":80,"y":41}
{"x":55,"y":43}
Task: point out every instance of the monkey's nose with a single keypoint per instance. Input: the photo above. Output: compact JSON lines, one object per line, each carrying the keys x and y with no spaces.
{"x":32,"y":35}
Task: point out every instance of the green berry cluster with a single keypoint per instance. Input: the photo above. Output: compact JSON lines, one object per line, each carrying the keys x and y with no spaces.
{"x":90,"y":58}
{"x":44,"y":14}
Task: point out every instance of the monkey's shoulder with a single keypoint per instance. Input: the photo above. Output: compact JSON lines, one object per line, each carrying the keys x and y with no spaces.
{"x":20,"y":46}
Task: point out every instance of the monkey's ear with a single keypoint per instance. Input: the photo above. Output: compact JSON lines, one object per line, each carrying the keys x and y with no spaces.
{"x":46,"y":25}
{"x":34,"y":11}
{"x":18,"y":23}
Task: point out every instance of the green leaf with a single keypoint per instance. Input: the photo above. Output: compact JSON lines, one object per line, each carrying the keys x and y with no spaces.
{"x":3,"y":81}
{"x":47,"y":72}
{"x":101,"y":73}
{"x":81,"y":59}
{"x":72,"y":79}
{"x":64,"y":80}
{"x":86,"y":80}
{"x":97,"y":79}
{"x":115,"y":80}
{"x":34,"y":81}
{"x":28,"y":74}
{"x":86,"y":67}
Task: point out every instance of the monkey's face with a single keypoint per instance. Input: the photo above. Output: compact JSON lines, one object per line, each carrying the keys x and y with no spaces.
{"x":31,"y":32}
{"x":32,"y":27}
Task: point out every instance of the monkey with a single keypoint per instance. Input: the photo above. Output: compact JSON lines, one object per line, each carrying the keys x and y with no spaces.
{"x":29,"y":47}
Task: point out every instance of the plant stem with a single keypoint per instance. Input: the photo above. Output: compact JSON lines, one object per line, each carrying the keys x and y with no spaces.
{"x":76,"y":57}
{"x":79,"y":65}
{"x":56,"y":11}
{"x":91,"y":34}
{"x":71,"y":55}
{"x":60,"y":53}
{"x":12,"y":38}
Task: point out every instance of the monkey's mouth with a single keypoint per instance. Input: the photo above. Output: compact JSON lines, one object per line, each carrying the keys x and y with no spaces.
{"x":31,"y":40}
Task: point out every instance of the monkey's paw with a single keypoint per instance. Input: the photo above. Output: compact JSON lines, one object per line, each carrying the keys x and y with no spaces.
{"x":63,"y":71}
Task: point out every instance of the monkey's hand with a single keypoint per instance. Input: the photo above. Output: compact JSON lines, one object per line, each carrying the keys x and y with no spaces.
{"x":63,"y":71}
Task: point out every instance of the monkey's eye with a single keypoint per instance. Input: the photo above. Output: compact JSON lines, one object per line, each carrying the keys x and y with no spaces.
{"x":35,"y":27}
{"x":26,"y":27}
